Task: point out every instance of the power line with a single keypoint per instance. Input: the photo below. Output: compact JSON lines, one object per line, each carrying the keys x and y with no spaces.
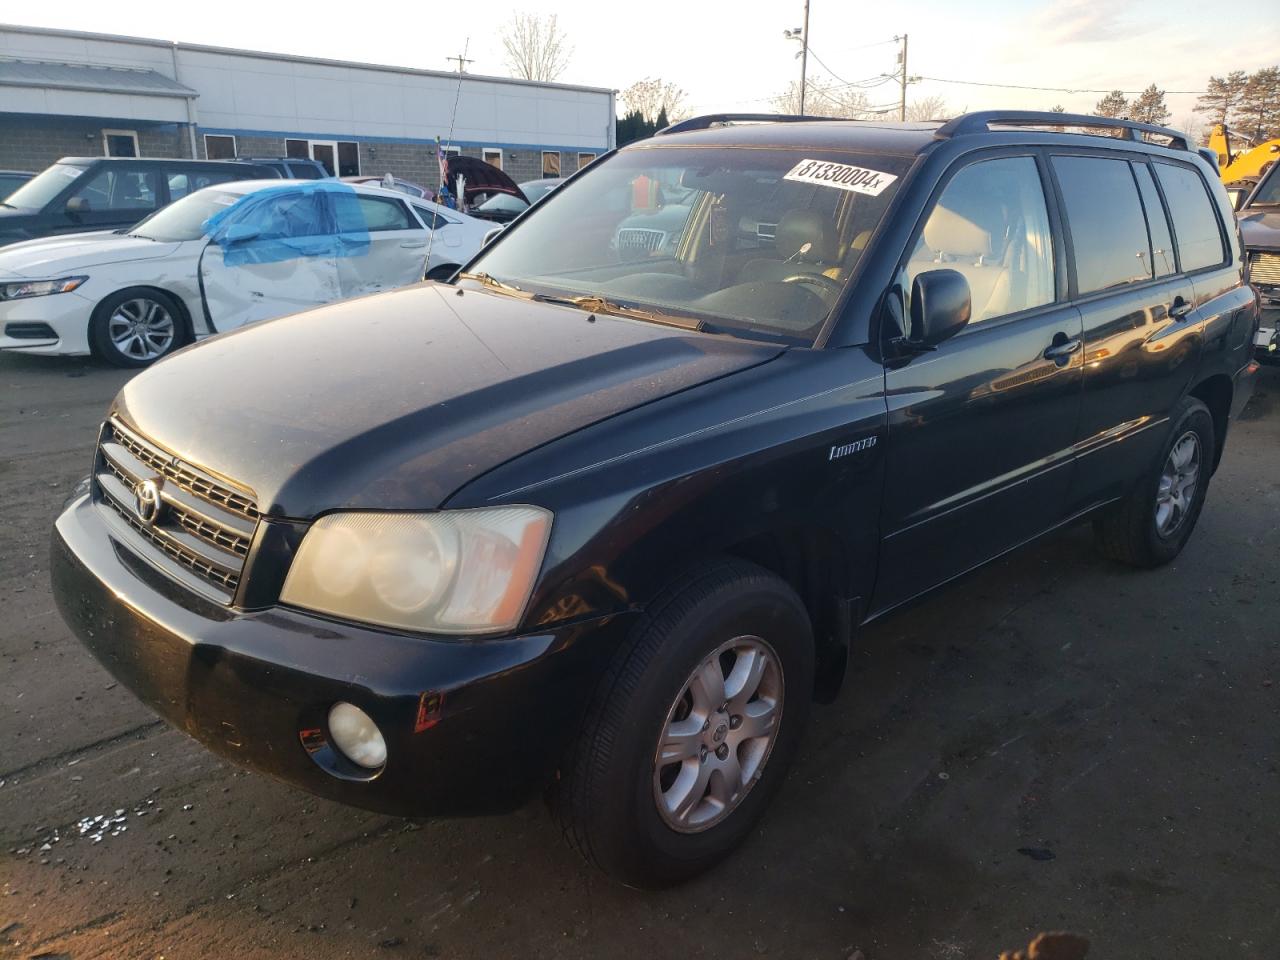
{"x":1019,"y":86}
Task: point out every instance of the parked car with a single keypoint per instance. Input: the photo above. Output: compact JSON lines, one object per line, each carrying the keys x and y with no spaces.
{"x":407,"y":187}
{"x":1259,"y":217}
{"x":503,"y":207}
{"x":280,"y":247}
{"x":290,"y":168}
{"x":79,"y":194}
{"x":11,"y":180}
{"x":609,"y":526}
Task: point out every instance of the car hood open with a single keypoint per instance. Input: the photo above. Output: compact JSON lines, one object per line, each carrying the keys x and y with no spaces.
{"x":396,"y":401}
{"x":62,"y":255}
{"x":1261,"y":228}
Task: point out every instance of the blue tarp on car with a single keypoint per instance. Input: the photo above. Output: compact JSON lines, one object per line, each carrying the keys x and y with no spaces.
{"x":303,"y":218}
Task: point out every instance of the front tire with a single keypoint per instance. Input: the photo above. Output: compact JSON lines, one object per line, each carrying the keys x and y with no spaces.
{"x":1150,"y":527}
{"x":693,"y":728}
{"x":136,"y":327}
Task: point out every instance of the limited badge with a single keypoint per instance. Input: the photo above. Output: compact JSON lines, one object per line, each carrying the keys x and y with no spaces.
{"x":842,"y":176}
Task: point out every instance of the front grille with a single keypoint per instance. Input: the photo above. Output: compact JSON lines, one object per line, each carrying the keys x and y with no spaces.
{"x":641,"y":240}
{"x":1265,"y":268}
{"x":202,"y":527}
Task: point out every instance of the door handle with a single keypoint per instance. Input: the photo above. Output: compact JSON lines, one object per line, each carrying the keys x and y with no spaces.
{"x":1179,"y":308}
{"x":413,"y":244}
{"x":1061,"y":349}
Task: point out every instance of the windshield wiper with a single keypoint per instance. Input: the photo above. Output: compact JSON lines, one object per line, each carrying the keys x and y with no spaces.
{"x":598,"y":304}
{"x":493,"y":283}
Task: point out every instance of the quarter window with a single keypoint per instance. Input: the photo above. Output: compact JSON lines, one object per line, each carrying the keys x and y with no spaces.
{"x":1157,"y":223}
{"x":1194,"y":222}
{"x":1108,"y":232}
{"x":991,"y":226}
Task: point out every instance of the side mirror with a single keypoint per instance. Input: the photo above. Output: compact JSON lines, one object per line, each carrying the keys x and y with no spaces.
{"x":491,"y":236}
{"x":1237,"y":198}
{"x":77,"y":206}
{"x":240,"y":233}
{"x":940,"y":307}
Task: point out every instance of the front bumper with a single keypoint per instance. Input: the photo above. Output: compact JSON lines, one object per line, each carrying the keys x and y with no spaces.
{"x":472,"y":726}
{"x":66,"y":314}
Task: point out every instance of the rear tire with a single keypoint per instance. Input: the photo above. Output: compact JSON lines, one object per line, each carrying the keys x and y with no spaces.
{"x":136,"y":327}
{"x":1153,"y":523}
{"x":651,"y":795}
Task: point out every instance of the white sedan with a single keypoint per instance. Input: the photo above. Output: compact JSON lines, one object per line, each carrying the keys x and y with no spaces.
{"x":219,"y":258}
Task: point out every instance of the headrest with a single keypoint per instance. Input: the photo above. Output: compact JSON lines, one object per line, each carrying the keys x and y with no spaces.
{"x":798,"y":227}
{"x":948,"y":232}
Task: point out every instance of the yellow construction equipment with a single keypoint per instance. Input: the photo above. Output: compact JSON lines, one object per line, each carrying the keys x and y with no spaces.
{"x":1239,"y":158}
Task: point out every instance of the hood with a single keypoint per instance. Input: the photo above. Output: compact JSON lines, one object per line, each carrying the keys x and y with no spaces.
{"x":480,"y":177}
{"x":396,"y":401}
{"x":1260,"y":228}
{"x":67,"y":253}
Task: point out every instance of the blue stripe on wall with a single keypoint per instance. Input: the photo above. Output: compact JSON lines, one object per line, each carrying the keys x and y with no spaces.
{"x":297,"y":135}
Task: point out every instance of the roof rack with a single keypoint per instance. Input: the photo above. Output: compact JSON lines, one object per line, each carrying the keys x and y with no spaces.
{"x":711,"y":119}
{"x":982,"y":120}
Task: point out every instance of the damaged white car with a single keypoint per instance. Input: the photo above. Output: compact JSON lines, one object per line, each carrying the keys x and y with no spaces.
{"x":218,"y":259}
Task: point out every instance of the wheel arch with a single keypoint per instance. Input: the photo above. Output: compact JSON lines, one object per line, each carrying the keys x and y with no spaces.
{"x":184,"y":314}
{"x":1215,"y":392}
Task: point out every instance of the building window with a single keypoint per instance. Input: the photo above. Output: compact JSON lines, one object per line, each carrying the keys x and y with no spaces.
{"x":120,"y":143}
{"x":550,"y":163}
{"x":348,"y":158}
{"x":219,"y":147}
{"x":340,"y":158}
{"x":584,"y":159}
{"x":297,"y":149}
{"x":492,"y":155}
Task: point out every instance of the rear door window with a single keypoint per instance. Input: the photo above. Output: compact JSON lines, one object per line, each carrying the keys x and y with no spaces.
{"x":304,"y":171}
{"x":1194,"y":221}
{"x":1104,"y":215}
{"x":118,"y":188}
{"x":1162,"y":257}
{"x":383,"y":214}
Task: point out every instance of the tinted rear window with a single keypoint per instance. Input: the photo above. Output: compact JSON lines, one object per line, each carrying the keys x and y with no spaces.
{"x":1108,"y":232}
{"x":1161,"y":240}
{"x":1194,"y":222}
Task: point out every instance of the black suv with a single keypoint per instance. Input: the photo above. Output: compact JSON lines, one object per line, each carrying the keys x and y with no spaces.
{"x":607,"y":517}
{"x":79,"y":194}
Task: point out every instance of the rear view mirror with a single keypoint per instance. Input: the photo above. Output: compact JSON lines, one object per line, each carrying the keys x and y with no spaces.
{"x":77,"y":206}
{"x":940,"y":306}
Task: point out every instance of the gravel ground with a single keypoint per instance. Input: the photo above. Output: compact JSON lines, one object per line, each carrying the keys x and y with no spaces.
{"x":1054,"y":743}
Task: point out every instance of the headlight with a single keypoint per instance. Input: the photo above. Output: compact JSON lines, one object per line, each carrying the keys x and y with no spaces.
{"x":23,"y":289}
{"x":457,"y":571}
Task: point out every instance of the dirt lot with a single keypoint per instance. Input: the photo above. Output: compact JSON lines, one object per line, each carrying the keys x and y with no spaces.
{"x":1055,"y":743}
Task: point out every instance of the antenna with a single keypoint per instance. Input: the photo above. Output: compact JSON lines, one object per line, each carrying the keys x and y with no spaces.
{"x":453,"y":119}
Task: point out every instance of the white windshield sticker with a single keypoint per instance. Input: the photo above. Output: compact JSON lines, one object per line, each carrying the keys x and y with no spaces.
{"x":842,"y":176}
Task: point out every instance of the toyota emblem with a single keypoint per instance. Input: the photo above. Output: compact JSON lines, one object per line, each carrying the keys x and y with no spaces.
{"x":147,"y":501}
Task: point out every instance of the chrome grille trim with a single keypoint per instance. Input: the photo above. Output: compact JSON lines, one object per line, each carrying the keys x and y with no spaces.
{"x":204,"y":525}
{"x":1264,"y":267}
{"x":641,"y":238}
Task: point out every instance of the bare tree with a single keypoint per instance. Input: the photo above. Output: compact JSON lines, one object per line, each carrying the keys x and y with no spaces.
{"x":536,"y":47}
{"x":826,"y":100}
{"x":651,"y":97}
{"x":928,"y":108}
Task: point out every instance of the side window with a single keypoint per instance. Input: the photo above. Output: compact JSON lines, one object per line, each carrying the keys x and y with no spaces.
{"x":1194,"y":222}
{"x":382,"y":214}
{"x":179,"y":185}
{"x":1108,"y":232}
{"x":300,"y":215}
{"x":1157,"y":223}
{"x":432,"y":219}
{"x":304,"y":171}
{"x":114,"y":188}
{"x":991,"y":225}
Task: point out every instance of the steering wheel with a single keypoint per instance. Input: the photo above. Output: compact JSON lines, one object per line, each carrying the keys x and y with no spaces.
{"x":819,"y":280}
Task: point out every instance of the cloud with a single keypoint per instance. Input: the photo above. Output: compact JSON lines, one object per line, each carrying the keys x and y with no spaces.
{"x":1083,"y":21}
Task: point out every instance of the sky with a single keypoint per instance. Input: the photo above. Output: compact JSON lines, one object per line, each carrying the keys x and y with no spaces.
{"x":732,"y":56}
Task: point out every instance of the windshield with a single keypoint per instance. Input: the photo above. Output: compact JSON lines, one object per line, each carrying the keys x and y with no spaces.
{"x":184,"y":219}
{"x":35,"y":193}
{"x":758,"y":243}
{"x":1269,"y":190}
{"x":503,"y":201}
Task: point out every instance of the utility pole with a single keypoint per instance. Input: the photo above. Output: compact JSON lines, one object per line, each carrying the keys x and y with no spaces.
{"x":804,"y":53}
{"x":902,"y":58}
{"x":462,"y":61}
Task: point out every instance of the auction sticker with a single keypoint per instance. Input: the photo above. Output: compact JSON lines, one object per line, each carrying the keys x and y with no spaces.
{"x":842,"y":176}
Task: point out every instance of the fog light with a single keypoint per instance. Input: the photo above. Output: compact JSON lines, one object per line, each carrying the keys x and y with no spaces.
{"x":357,"y":736}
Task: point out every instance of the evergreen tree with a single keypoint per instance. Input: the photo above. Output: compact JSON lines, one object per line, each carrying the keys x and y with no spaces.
{"x":662,"y":122}
{"x":1259,"y":110}
{"x":1149,"y":106}
{"x":1112,"y":105}
{"x":1222,"y":97}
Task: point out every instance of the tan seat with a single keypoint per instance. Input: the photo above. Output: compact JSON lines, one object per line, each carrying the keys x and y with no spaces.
{"x":957,"y":243}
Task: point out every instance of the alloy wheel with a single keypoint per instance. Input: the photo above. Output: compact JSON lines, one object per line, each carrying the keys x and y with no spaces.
{"x":718,"y":735}
{"x":1178,"y":480}
{"x":141,"y":329}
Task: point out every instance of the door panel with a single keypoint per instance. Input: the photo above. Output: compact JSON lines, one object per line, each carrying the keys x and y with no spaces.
{"x":249,"y":292}
{"x":397,"y":252}
{"x":980,"y":449}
